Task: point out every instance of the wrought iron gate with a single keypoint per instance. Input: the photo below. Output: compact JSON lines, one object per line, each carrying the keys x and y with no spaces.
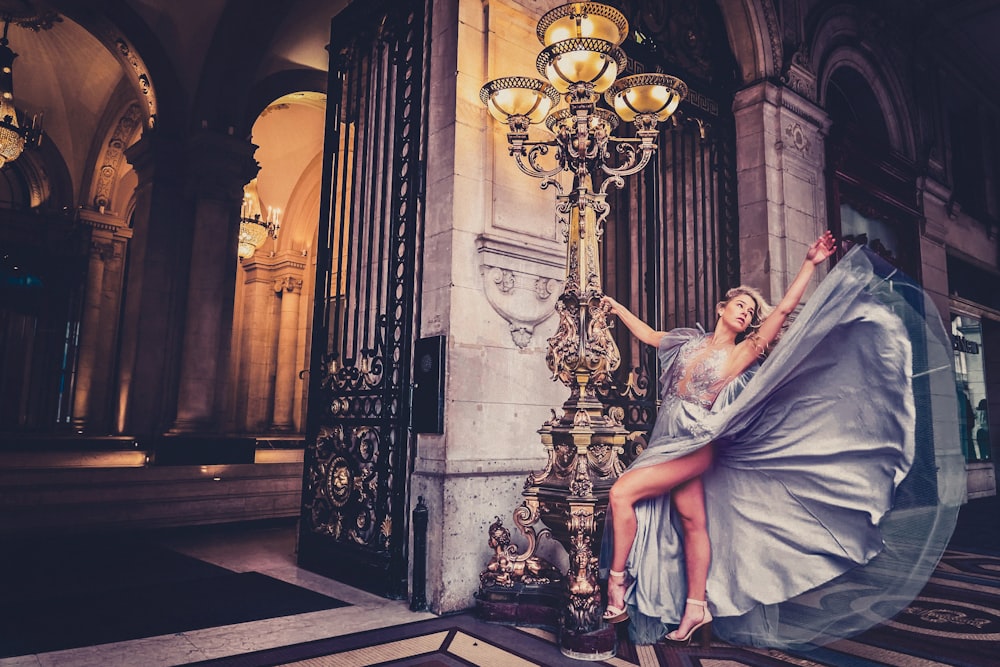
{"x":671,"y":248}
{"x":353,"y":524}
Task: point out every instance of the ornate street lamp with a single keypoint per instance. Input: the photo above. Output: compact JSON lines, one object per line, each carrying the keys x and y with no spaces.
{"x":581,"y":60}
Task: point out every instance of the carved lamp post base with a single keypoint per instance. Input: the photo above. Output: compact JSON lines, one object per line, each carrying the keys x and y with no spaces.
{"x":569,"y":497}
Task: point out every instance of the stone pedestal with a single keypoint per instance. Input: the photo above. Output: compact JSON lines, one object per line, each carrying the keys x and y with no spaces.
{"x":533,"y":606}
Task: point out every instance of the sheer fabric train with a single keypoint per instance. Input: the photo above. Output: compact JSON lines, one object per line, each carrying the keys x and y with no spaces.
{"x":837,"y":478}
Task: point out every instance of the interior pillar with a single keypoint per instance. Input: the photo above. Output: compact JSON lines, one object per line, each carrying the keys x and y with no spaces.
{"x":289,"y":289}
{"x":780,"y":163}
{"x":100,"y":249}
{"x":151,"y":323}
{"x":218,"y":168}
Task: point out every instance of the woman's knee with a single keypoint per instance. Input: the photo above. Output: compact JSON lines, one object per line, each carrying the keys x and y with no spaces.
{"x":615,"y":493}
{"x":620,"y":494}
{"x":693,"y":523}
{"x":690,"y":506}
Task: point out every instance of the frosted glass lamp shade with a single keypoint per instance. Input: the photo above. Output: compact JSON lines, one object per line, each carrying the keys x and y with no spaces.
{"x":657,"y":94}
{"x":586,"y":60}
{"x":582,"y":19}
{"x":519,"y":96}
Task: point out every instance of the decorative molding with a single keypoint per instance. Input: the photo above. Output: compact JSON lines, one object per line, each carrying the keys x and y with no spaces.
{"x":114,"y":155}
{"x":800,"y":77}
{"x":132,"y":63}
{"x":773,"y":32}
{"x":798,"y":138}
{"x":521,"y":283}
{"x":128,"y":55}
{"x":105,"y":222}
{"x":804,"y":109}
{"x":272,"y":269}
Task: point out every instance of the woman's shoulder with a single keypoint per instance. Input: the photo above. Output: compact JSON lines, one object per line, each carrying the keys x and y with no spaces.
{"x":676,"y":337}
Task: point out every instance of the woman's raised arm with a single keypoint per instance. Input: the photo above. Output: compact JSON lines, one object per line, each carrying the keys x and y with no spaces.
{"x":639,"y":329}
{"x":818,"y":252}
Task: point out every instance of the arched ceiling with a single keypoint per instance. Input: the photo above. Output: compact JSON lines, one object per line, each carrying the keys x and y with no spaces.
{"x":69,"y":70}
{"x":73,"y":75}
{"x":289,"y":134}
{"x":66,"y":76}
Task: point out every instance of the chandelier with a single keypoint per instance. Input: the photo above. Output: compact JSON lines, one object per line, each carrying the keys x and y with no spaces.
{"x":254,"y":229}
{"x":13,"y":136}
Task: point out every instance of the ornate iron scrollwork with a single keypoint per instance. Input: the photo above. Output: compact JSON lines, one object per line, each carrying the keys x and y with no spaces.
{"x":354,"y":487}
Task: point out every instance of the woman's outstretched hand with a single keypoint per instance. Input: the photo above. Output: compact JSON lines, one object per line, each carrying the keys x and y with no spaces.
{"x":821,"y":250}
{"x":611,"y":305}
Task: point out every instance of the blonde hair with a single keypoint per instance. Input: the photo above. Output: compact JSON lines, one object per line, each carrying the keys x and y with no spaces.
{"x":761,"y":309}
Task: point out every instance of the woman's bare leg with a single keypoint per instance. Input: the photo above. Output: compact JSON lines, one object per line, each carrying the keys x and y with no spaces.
{"x":689,"y":501}
{"x":635,"y":485}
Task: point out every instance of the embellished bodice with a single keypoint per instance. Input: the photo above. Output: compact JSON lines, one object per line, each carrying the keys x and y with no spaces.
{"x":698,"y":374}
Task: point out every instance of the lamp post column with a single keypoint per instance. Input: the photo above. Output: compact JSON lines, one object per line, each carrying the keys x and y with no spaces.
{"x":585,"y":443}
{"x":581,"y":59}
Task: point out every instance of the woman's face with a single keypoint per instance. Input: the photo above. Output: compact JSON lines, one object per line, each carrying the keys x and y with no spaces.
{"x":739,"y":311}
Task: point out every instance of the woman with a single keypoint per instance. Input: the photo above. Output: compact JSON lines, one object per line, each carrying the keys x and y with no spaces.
{"x":745,"y":328}
{"x":750,"y":495}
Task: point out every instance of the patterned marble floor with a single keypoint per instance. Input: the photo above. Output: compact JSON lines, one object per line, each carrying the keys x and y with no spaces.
{"x":265,"y":549}
{"x":971,"y":569}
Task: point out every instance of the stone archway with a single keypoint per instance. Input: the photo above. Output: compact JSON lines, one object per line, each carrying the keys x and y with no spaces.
{"x":754,"y":37}
{"x":274,"y":286}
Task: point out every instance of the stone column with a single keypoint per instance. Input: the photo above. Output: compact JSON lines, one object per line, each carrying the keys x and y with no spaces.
{"x":156,"y":283}
{"x":780,"y":162}
{"x":99,"y":328}
{"x":218,"y":168}
{"x":254,"y":344}
{"x":289,"y":289}
{"x":100,"y":250}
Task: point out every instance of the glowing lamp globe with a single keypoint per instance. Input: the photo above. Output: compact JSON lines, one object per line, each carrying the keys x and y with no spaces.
{"x":656,"y":94}
{"x":586,"y":60}
{"x":519,"y":97}
{"x":582,"y":19}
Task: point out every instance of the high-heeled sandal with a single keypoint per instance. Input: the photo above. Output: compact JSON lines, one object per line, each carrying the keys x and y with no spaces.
{"x":706,"y":619}
{"x":615,"y":614}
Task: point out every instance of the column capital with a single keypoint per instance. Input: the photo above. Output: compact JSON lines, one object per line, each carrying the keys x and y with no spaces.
{"x":288,"y":284}
{"x":101,"y":249}
{"x":156,"y":156}
{"x":219,"y":165}
{"x":104,"y":224}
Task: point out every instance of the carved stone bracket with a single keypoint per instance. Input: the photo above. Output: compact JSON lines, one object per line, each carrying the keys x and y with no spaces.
{"x":521,"y":282}
{"x":800,"y":77}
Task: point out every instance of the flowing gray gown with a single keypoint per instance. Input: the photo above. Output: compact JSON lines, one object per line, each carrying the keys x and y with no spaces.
{"x":837,"y":476}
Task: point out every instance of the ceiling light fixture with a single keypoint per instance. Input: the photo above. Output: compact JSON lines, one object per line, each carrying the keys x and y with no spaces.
{"x":14,"y":137}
